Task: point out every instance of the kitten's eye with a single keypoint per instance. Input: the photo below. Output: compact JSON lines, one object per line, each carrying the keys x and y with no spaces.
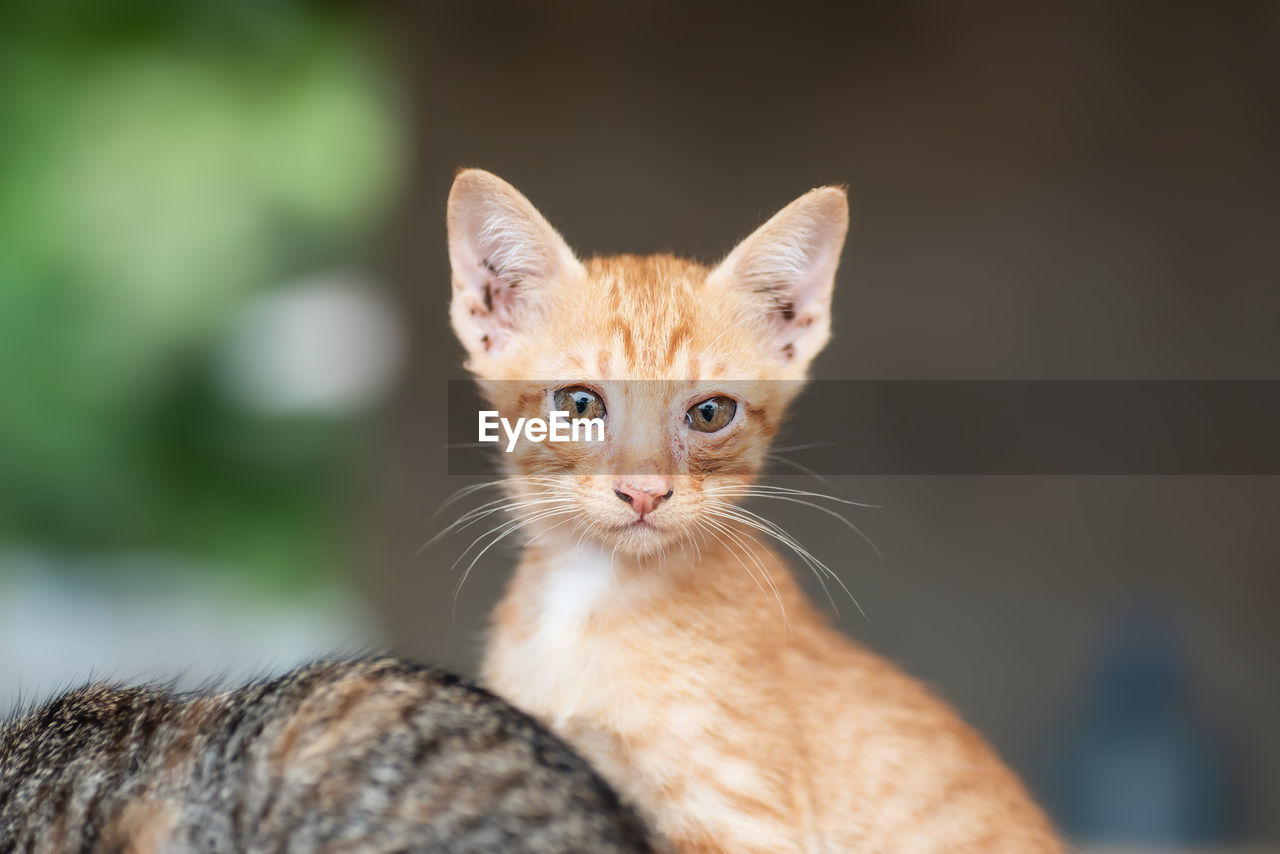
{"x":712,"y":414}
{"x":579,"y":402}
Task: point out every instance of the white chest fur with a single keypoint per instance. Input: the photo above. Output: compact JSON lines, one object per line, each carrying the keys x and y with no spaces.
{"x":583,"y":658}
{"x":552,"y":664}
{"x":573,"y":590}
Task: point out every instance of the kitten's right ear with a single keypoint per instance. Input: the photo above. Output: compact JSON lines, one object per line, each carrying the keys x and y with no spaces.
{"x":788,"y":267}
{"x":502,"y":250}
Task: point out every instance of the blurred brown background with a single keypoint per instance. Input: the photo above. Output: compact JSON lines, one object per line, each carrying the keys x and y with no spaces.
{"x":1038,"y":191}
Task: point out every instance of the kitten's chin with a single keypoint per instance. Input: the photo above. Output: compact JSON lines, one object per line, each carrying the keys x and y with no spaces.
{"x":642,"y":539}
{"x":639,"y":539}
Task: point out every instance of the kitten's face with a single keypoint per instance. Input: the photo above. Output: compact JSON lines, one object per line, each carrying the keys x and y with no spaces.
{"x":691,"y":368}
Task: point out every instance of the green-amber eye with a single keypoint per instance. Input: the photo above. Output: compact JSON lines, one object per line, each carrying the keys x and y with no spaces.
{"x":712,"y":414}
{"x":579,"y":402}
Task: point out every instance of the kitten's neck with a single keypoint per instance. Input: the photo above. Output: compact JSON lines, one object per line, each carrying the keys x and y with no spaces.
{"x":560,"y":582}
{"x":575,"y":615}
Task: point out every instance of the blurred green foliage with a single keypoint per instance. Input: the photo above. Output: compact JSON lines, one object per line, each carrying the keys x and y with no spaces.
{"x":159,"y":162}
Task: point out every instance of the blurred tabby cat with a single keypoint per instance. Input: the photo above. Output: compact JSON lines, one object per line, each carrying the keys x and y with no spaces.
{"x":363,"y":756}
{"x":646,"y":623}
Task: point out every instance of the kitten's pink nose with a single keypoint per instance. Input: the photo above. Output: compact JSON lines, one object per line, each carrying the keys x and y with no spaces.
{"x":643,"y":492}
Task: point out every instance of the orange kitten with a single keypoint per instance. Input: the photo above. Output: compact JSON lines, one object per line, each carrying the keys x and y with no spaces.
{"x":644,"y":621}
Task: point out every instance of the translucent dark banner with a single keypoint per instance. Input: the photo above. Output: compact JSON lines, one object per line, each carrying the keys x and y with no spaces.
{"x":874,"y":427}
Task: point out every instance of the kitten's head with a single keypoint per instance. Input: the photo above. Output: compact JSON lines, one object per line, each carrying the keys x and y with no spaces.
{"x":692,"y":368}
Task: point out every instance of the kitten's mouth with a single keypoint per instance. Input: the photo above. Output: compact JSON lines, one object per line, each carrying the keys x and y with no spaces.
{"x":640,"y":536}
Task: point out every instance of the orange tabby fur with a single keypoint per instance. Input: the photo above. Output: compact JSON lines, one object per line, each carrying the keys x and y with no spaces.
{"x":677,"y":651}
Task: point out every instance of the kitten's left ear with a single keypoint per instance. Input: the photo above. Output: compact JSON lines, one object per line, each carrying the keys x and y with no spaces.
{"x":788,"y":265}
{"x":503,"y":253}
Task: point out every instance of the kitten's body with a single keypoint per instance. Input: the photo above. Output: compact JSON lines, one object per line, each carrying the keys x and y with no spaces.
{"x":682,"y":685}
{"x":657,"y":645}
{"x":358,"y":757}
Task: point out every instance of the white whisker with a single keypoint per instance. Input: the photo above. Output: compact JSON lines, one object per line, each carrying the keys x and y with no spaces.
{"x":511,"y":528}
{"x":763,"y":570}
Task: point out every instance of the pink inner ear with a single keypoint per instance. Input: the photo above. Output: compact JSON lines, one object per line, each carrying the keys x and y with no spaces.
{"x":797,"y":332}
{"x":490,"y":301}
{"x":499,"y":295}
{"x":789,"y":328}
